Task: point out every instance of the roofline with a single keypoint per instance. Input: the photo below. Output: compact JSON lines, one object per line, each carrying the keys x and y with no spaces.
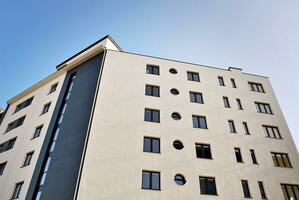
{"x":95,"y":43}
{"x":184,"y":62}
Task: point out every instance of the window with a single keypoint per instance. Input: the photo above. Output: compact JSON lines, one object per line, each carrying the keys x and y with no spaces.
{"x":174,"y":91}
{"x":37,"y":131}
{"x":245,"y":187}
{"x":176,"y":116}
{"x":18,"y":122}
{"x":256,"y":87}
{"x":272,"y":132}
{"x":226,"y":102}
{"x":2,"y":167}
{"x":151,"y":90}
{"x":240,"y":107}
{"x":53,"y":88}
{"x":290,"y":191}
{"x":199,"y":122}
{"x":246,"y":129}
{"x":173,"y":71}
{"x":193,"y":76}
{"x":262,"y":190}
{"x":24,"y":104}
{"x":17,"y":190}
{"x":254,"y":161}
{"x":151,"y":145}
{"x":179,"y":179}
{"x":232,"y":127}
{"x":178,"y":145}
{"x":7,"y":145}
{"x":203,"y":151}
{"x":281,"y":159}
{"x":263,"y":108}
{"x":150,"y":180}
{"x":151,"y":69}
{"x":46,"y":108}
{"x":196,"y":97}
{"x":221,"y":81}
{"x":207,"y":185}
{"x":28,"y":159}
{"x":238,"y":155}
{"x":233,"y":83}
{"x":151,"y":115}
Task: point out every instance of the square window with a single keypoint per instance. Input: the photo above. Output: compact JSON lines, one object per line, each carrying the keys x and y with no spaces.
{"x":151,"y":115}
{"x":196,"y":97}
{"x":151,"y":69}
{"x":207,"y":185}
{"x":199,"y":122}
{"x":151,"y":145}
{"x":203,"y":151}
{"x":151,"y":90}
{"x":150,"y":180}
{"x":193,"y":76}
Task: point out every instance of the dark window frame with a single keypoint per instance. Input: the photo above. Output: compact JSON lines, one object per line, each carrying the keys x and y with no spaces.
{"x":239,"y":103}
{"x":285,"y":190}
{"x":281,"y":159}
{"x":231,"y":126}
{"x":28,"y":159}
{"x":152,"y":148}
{"x":152,"y":90}
{"x":23,"y":104}
{"x":193,"y":76}
{"x":264,"y":108}
{"x":256,"y":87}
{"x":196,"y":97}
{"x":153,"y":69}
{"x":37,"y":131}
{"x":46,"y":108}
{"x":53,"y":88}
{"x":151,"y":180}
{"x":246,"y":189}
{"x":2,"y":167}
{"x":226,"y":102}
{"x":238,"y":154}
{"x":205,"y":184}
{"x":233,"y":82}
{"x":246,"y":128}
{"x":17,"y":190}
{"x":201,"y":121}
{"x":253,"y":156}
{"x":152,"y":112}
{"x":272,"y":131}
{"x":262,"y":190}
{"x":15,"y":124}
{"x":203,"y":151}
{"x":221,"y":81}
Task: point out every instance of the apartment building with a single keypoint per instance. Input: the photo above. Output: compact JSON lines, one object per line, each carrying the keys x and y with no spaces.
{"x":109,"y":124}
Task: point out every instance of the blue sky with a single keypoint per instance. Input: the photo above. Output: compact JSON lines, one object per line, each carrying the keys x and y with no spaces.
{"x":262,"y":37}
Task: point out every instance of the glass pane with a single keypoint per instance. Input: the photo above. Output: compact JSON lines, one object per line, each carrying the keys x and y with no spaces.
{"x":189,"y":76}
{"x":156,"y":91}
{"x":290,"y":191}
{"x":146,"y":180}
{"x":203,"y":187}
{"x":156,"y":70}
{"x":195,"y":121}
{"x":147,"y":115}
{"x":156,"y":145}
{"x":156,"y":181}
{"x":286,"y":161}
{"x":211,"y":187}
{"x":202,"y":122}
{"x":199,"y":152}
{"x":147,"y":145}
{"x":156,"y":117}
{"x":196,"y":77}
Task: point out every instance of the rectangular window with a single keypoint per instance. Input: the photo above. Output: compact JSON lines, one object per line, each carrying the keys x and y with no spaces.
{"x":207,"y":185}
{"x":246,"y":129}
{"x":233,"y":83}
{"x":46,"y":108}
{"x":240,"y":107}
{"x":151,"y":69}
{"x":238,"y":155}
{"x":150,"y":180}
{"x":18,"y":122}
{"x":290,"y":191}
{"x":203,"y":151}
{"x":2,"y":167}
{"x":196,"y":97}
{"x":232,"y":127}
{"x":7,"y":145}
{"x":256,"y":87}
{"x":151,"y":115}
{"x":17,"y":190}
{"x":262,"y":190}
{"x":151,"y":145}
{"x":272,"y":132}
{"x":151,"y":90}
{"x":281,"y":159}
{"x":246,"y":190}
{"x":53,"y":88}
{"x":221,"y":81}
{"x":199,"y":122}
{"x":263,"y":108}
{"x":23,"y":104}
{"x":28,"y":159}
{"x":226,"y":102}
{"x":37,"y":131}
{"x":193,"y":76}
{"x":253,"y":157}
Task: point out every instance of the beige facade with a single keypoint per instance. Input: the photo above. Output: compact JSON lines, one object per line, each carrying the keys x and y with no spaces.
{"x":113,"y":159}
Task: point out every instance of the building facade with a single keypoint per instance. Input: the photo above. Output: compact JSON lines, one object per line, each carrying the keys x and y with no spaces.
{"x":109,"y":124}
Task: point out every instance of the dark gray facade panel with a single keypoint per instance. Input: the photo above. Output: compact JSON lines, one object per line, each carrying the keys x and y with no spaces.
{"x":65,"y":160}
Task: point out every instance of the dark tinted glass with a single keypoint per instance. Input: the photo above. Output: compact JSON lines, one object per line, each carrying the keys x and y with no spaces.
{"x":262,"y":190}
{"x":207,"y":185}
{"x":193,"y":76}
{"x":196,"y":97}
{"x":238,"y":155}
{"x":174,"y":91}
{"x":246,"y":189}
{"x":199,"y":122}
{"x":176,"y":116}
{"x":146,"y":180}
{"x":203,"y":151}
{"x":180,"y":179}
{"x":173,"y":71}
{"x":178,"y":145}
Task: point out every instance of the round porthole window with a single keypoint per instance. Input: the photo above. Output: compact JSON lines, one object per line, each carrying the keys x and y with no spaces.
{"x":178,"y":145}
{"x":176,"y":116}
{"x":173,"y":71}
{"x":174,"y":91}
{"x":179,"y":179}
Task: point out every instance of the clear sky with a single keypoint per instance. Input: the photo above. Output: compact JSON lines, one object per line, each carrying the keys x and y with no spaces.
{"x":260,"y":36}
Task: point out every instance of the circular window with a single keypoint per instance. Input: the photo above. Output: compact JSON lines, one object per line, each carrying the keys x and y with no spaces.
{"x":174,"y":91}
{"x":173,"y":71}
{"x":178,"y":145}
{"x":179,"y":179}
{"x":176,"y":116}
